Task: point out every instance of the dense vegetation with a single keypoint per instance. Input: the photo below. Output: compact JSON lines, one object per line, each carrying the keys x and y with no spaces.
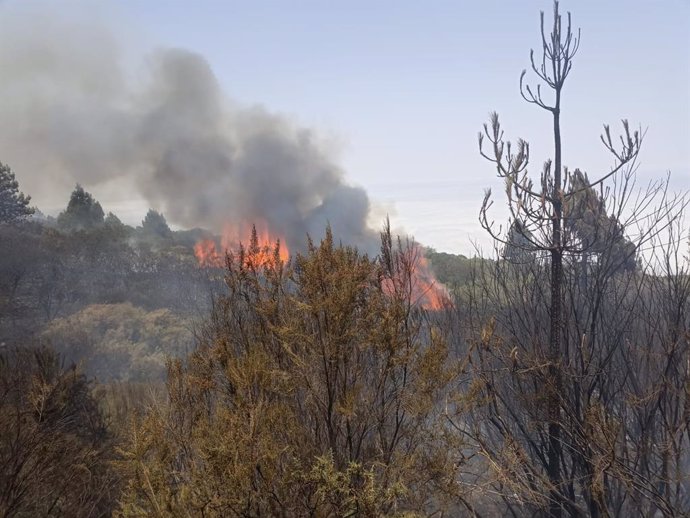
{"x":556,"y":382}
{"x":115,"y":298}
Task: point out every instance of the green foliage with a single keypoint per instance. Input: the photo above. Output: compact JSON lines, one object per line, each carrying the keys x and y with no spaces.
{"x":592,"y":229}
{"x":14,"y":205}
{"x":120,"y":341}
{"x":47,"y":273}
{"x":450,"y":269}
{"x":21,"y":258}
{"x":83,"y":212}
{"x":457,"y":272}
{"x":113,"y":226}
{"x":519,"y":248}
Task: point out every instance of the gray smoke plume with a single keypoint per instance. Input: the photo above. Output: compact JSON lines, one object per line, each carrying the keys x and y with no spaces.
{"x":72,"y":112}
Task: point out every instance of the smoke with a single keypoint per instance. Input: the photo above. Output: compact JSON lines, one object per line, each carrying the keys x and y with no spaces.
{"x":72,"y":111}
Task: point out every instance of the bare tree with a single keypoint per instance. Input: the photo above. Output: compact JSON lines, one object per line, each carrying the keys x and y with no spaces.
{"x":546,"y":214}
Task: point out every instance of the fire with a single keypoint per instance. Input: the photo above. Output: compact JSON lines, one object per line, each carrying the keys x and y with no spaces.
{"x":414,"y":278}
{"x":209,"y":254}
{"x":427,"y":291}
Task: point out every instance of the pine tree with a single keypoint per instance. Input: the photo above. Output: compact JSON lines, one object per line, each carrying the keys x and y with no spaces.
{"x":14,"y":205}
{"x":82,"y":212}
{"x":155,"y":224}
{"x":518,"y":248}
{"x":590,"y":226}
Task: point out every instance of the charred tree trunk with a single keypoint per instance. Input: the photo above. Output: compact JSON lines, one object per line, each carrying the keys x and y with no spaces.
{"x":556,"y":325}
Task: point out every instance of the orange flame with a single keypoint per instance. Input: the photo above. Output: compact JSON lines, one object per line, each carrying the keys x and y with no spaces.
{"x":426,"y":289}
{"x":423,"y":287}
{"x":208,"y":254}
{"x":415,"y":279}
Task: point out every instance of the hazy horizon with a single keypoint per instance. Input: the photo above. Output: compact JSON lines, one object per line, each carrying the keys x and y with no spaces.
{"x":392,"y":95}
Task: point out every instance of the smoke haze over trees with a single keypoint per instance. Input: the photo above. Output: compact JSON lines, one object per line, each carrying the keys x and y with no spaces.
{"x":168,"y":131}
{"x":82,"y":212}
{"x":318,"y":368}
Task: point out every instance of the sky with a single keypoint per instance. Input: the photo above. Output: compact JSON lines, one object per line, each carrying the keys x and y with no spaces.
{"x":397,"y":90}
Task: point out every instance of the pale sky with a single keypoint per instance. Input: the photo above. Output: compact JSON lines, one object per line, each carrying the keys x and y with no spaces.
{"x":400,"y":88}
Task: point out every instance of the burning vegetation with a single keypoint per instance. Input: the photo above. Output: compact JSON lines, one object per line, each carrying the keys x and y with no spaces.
{"x":256,"y":242}
{"x":296,"y":363}
{"x":427,"y":290}
{"x":257,"y":246}
{"x":420,"y":285}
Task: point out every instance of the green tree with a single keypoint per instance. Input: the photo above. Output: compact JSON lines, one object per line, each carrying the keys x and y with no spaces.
{"x":589,"y":226}
{"x":120,"y":341}
{"x":83,"y":212}
{"x":111,"y":220}
{"x":154,"y":224}
{"x":14,"y":205}
{"x":21,"y":260}
{"x":519,"y":248}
